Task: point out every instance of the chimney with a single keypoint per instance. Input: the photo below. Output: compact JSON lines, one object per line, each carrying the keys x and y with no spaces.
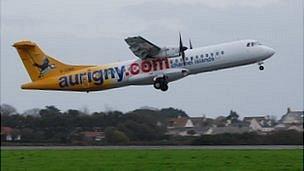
{"x":288,"y":110}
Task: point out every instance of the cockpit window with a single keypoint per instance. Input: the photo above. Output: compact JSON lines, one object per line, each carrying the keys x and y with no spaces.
{"x":251,"y":44}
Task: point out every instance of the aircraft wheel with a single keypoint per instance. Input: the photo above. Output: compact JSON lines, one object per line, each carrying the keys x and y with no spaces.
{"x":261,"y":67}
{"x":157,"y":85}
{"x":164,"y":87}
{"x":161,"y":83}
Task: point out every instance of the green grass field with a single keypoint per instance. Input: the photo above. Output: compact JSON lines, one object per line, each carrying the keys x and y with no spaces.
{"x":215,"y":160}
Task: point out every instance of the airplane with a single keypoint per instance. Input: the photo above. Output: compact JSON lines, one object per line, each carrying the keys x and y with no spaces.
{"x":155,"y":65}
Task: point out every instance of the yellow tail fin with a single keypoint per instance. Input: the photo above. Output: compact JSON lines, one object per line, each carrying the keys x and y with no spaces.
{"x":38,"y":64}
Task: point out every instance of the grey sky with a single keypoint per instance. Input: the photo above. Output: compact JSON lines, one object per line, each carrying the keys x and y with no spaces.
{"x":93,"y":32}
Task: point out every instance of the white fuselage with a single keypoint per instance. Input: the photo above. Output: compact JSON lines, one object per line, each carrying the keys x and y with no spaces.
{"x":200,"y":60}
{"x":150,"y":70}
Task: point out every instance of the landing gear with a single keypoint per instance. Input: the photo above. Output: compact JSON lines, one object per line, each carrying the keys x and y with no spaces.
{"x":157,"y":85}
{"x":164,"y":87}
{"x":161,"y":83}
{"x":261,"y":67}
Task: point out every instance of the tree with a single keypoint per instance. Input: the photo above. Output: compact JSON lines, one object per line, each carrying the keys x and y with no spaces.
{"x":6,"y":109}
{"x":172,"y":112}
{"x":32,"y":112}
{"x":49,"y":111}
{"x":233,"y":116}
{"x":115,"y":136}
{"x":119,"y":137}
{"x":71,"y":113}
{"x":27,"y":135}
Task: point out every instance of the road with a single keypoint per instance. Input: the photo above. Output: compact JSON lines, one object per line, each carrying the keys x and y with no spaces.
{"x":232,"y":147}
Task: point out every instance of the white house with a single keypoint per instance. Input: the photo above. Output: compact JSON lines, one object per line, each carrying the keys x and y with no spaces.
{"x":10,"y":134}
{"x":260,"y":123}
{"x":292,"y":117}
{"x":184,"y":126}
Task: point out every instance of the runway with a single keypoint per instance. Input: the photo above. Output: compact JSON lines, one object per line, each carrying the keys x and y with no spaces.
{"x":228,"y":147}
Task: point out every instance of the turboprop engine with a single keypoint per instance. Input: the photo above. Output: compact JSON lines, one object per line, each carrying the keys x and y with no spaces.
{"x":166,"y":76}
{"x":161,"y":80}
{"x":172,"y":74}
{"x":169,"y":52}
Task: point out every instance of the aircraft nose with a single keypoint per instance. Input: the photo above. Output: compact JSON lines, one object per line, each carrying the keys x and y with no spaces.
{"x":269,"y":51}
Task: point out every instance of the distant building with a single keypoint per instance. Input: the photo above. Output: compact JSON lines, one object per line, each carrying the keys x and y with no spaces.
{"x":180,"y":122}
{"x":10,"y":134}
{"x":226,"y":129}
{"x":298,"y":128}
{"x":178,"y":126}
{"x":292,"y":117}
{"x":196,"y":126}
{"x":183,"y":126}
{"x":220,"y":121}
{"x":260,"y":123}
{"x":200,"y":122}
{"x":92,"y":135}
{"x":292,"y":120}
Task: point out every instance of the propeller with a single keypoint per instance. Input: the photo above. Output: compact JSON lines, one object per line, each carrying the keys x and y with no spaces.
{"x":182,"y":49}
{"x":190,"y":44}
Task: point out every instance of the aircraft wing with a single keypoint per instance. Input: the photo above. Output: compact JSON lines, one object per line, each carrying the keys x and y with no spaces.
{"x":141,"y":47}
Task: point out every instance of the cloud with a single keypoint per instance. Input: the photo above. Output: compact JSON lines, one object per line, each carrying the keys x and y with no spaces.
{"x":242,"y":3}
{"x":209,"y":3}
{"x":214,"y":3}
{"x":113,"y":17}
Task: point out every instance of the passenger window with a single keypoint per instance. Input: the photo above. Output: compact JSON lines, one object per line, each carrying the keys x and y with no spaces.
{"x":251,"y":43}
{"x":211,"y":54}
{"x":222,"y":52}
{"x":202,"y":56}
{"x":206,"y":55}
{"x":248,"y":44}
{"x":191,"y":58}
{"x":186,"y":58}
{"x":196,"y":57}
{"x":176,"y":60}
{"x":217,"y":53}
